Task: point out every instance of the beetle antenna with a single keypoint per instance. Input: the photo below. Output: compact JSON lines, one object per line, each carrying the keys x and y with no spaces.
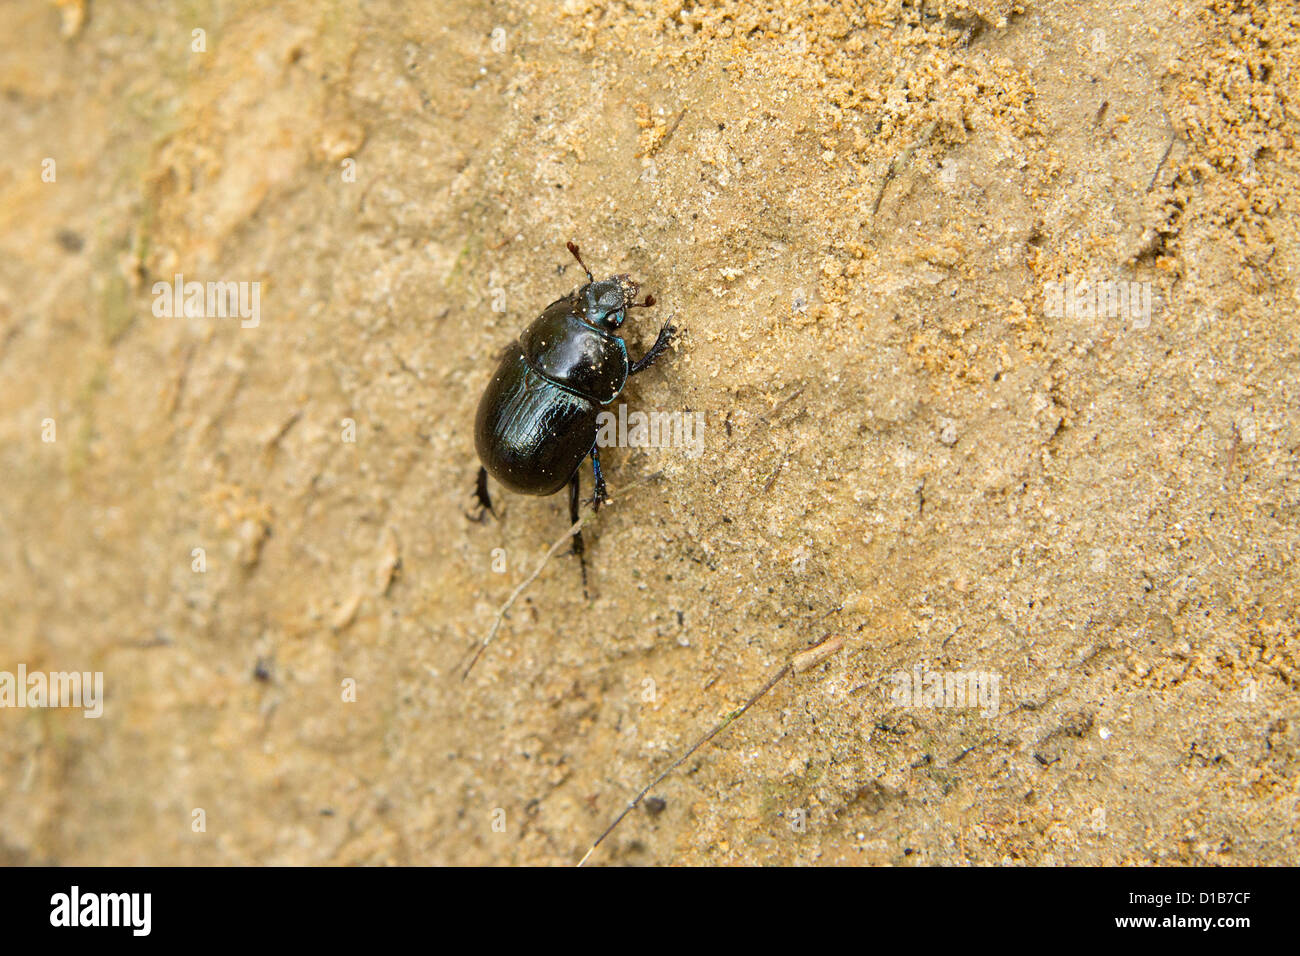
{"x":573,"y":247}
{"x":649,"y":301}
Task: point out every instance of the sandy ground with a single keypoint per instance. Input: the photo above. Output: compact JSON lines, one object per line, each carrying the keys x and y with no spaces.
{"x":858,"y":212}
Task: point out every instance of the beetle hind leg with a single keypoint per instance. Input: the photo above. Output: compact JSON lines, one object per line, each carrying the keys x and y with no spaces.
{"x":575,"y":495}
{"x":482,"y":497}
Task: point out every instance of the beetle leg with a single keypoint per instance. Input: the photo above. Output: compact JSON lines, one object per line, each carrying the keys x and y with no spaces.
{"x":598,"y":498}
{"x":482,"y":496}
{"x":575,"y":493}
{"x":661,"y":343}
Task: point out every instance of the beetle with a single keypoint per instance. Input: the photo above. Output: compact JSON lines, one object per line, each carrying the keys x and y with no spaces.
{"x":536,"y":420}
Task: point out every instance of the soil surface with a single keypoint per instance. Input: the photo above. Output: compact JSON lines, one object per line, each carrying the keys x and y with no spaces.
{"x":262,"y":530}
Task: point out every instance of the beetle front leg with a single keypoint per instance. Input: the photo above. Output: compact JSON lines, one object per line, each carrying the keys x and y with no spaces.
{"x":662,"y":342}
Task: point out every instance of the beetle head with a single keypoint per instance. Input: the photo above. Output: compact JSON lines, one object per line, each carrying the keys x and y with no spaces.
{"x":605,"y":302}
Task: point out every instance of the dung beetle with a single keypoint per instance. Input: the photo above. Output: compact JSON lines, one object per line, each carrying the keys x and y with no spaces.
{"x":537,"y":419}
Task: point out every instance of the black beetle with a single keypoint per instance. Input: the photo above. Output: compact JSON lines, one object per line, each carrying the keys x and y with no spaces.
{"x":537,"y":419}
